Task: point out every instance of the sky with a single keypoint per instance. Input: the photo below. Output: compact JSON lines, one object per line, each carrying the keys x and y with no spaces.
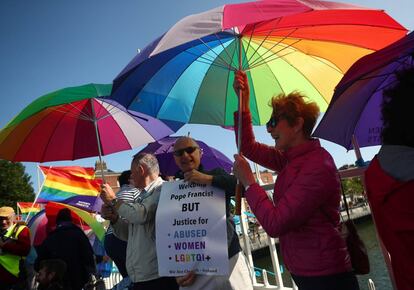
{"x":46,"y":45}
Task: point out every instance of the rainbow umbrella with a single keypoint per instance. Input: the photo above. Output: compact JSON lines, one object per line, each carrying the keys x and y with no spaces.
{"x":74,"y":123}
{"x":186,"y":75}
{"x":79,"y":217}
{"x":45,"y":221}
{"x":38,"y":228}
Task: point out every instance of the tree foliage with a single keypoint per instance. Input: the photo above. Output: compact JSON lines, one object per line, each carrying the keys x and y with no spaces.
{"x":15,"y":184}
{"x":352,"y":186}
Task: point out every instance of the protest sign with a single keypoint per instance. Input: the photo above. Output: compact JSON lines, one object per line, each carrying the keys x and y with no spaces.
{"x":191,"y":230}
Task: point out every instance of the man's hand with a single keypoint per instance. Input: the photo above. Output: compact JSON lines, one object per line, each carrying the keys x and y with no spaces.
{"x":186,"y":280}
{"x":242,"y":171}
{"x":108,"y":212}
{"x":107,"y":193}
{"x":196,"y":176}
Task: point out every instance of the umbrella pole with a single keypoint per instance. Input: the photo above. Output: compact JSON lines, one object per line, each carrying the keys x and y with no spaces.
{"x":239,"y":124}
{"x":95,"y":124}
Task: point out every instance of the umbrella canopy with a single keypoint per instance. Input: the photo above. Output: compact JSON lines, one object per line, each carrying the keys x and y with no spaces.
{"x":74,"y":123}
{"x":163,"y":150}
{"x":44,"y":221}
{"x":38,"y":228}
{"x":356,"y":105}
{"x":186,"y":75}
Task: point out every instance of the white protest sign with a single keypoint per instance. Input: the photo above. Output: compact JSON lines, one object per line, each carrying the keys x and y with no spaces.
{"x":191,"y":232}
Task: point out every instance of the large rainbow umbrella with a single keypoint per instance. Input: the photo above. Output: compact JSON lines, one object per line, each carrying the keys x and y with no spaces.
{"x":186,"y":75}
{"x":74,"y":123}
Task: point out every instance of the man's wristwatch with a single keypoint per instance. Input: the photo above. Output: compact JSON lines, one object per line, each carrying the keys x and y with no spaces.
{"x":114,"y":202}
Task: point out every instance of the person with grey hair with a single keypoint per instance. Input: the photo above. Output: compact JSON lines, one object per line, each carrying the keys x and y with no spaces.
{"x":139,"y":232}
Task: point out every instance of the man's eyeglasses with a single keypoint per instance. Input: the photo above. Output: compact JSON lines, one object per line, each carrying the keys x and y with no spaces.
{"x":273,"y":121}
{"x":189,"y":150}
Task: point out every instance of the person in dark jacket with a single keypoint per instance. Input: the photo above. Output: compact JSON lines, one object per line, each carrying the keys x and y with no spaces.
{"x":187,"y":156}
{"x":69,"y":243}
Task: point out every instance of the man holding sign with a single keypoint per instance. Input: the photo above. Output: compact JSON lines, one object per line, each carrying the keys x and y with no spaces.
{"x":139,"y":230}
{"x":187,"y":155}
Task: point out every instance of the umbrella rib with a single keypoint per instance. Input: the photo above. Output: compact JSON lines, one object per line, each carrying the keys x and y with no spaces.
{"x":202,"y":56}
{"x":304,"y":76}
{"x":70,"y":114}
{"x":218,"y":55}
{"x":112,"y":110}
{"x":224,"y":48}
{"x":313,"y":57}
{"x":208,"y":61}
{"x":275,"y":56}
{"x":263,"y":58}
{"x":82,"y":115}
{"x":263,"y":40}
{"x":211,"y":60}
{"x":248,"y":46}
{"x":269,"y":61}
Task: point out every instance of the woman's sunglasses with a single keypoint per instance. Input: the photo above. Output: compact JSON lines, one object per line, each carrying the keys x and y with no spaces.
{"x":189,"y":150}
{"x":273,"y":121}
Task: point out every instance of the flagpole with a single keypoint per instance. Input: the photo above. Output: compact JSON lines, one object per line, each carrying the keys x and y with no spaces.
{"x":38,"y":192}
{"x":18,"y":211}
{"x":98,"y":140}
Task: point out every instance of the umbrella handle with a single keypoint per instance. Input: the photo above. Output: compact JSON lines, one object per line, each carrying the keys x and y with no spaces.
{"x":239,"y":186}
{"x":237,"y":210}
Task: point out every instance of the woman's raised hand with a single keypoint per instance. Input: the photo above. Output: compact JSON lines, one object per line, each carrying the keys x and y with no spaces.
{"x":241,"y":84}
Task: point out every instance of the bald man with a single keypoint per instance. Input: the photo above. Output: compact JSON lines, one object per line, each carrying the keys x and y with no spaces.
{"x":187,"y":156}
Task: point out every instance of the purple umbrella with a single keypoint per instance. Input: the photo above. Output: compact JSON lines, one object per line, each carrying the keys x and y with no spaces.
{"x":163,"y":148}
{"x":355,"y":108}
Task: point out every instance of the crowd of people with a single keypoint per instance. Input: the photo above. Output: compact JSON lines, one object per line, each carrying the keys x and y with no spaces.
{"x":304,"y":213}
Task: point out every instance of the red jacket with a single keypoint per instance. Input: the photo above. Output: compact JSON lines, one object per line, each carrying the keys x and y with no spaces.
{"x":306,"y":197}
{"x":392,"y":205}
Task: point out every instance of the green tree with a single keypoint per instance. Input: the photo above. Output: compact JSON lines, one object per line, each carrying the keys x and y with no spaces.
{"x":15,"y":184}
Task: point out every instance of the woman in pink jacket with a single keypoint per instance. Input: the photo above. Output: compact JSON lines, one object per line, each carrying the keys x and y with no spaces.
{"x":304,"y":214}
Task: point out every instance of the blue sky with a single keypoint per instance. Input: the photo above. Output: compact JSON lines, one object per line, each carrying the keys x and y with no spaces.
{"x":51,"y":44}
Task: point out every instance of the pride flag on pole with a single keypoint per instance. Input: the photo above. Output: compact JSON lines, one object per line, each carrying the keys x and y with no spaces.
{"x":70,"y":183}
{"x":26,"y":207}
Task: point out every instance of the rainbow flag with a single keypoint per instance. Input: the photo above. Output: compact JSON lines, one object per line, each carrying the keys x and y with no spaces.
{"x":26,"y":207}
{"x":62,"y":183}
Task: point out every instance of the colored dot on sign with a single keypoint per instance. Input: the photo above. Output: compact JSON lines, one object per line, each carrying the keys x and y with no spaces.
{"x":169,"y":258}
